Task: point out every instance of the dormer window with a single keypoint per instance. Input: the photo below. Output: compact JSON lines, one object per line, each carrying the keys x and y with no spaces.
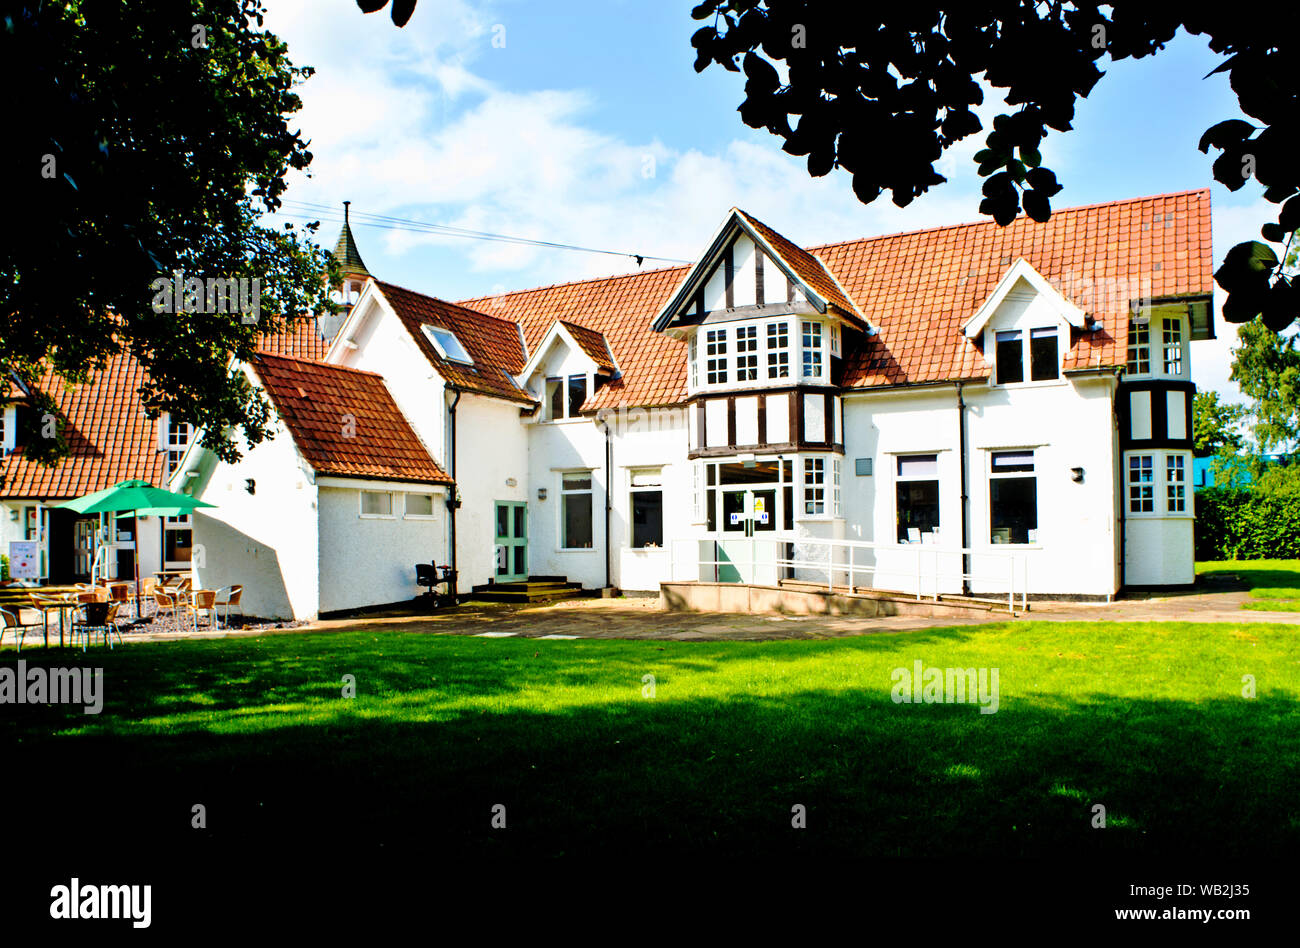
{"x":1156,"y":346}
{"x":1043,"y":355}
{"x":564,"y":397}
{"x":448,"y":346}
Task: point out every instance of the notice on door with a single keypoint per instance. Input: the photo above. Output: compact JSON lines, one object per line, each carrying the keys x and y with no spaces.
{"x":22,"y":560}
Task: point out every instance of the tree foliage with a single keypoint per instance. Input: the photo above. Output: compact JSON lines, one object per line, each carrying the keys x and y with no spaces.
{"x":882,"y":93}
{"x":1266,"y":365}
{"x":1244,"y":523}
{"x":147,"y":138}
{"x":1214,"y":426}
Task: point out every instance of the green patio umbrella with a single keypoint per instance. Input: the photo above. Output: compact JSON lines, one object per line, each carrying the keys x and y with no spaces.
{"x":136,"y":498}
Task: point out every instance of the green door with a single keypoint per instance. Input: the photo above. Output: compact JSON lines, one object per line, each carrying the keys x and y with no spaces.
{"x":512,"y":541}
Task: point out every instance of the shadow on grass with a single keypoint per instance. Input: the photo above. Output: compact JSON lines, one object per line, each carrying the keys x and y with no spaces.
{"x":256,"y":732}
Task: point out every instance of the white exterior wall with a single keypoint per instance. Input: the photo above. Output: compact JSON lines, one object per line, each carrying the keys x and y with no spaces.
{"x":267,"y":540}
{"x":1067,"y":424}
{"x":492,"y":450}
{"x":1156,"y":550}
{"x":366,"y":561}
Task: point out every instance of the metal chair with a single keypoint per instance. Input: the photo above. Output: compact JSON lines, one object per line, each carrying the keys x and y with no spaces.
{"x":13,"y":620}
{"x":165,"y":604}
{"x":232,"y":597}
{"x":97,"y":617}
{"x":204,"y":600}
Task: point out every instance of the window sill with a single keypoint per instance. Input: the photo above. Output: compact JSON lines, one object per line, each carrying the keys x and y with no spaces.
{"x":377,"y":516}
{"x":1058,"y":382}
{"x":576,"y":549}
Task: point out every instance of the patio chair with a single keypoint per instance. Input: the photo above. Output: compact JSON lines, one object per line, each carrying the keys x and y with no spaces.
{"x":97,"y":617}
{"x":120,"y":593}
{"x":147,"y":587}
{"x":13,"y":621}
{"x":228,"y":596}
{"x":165,"y":604}
{"x":203,"y":600}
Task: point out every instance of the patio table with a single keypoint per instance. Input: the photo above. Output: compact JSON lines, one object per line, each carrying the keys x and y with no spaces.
{"x":47,"y":603}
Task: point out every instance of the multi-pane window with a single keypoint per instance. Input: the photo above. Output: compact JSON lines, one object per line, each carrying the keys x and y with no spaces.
{"x":917,"y":491}
{"x":564,"y":397}
{"x":419,"y":505}
{"x":1176,"y":483}
{"x":1141,"y":484}
{"x":835,"y":486}
{"x":1172,"y":346}
{"x":778,"y":350}
{"x":747,"y":354}
{"x":695,"y":364}
{"x":647,"y":508}
{"x":814,"y":486}
{"x":812,"y":350}
{"x":1013,"y":497}
{"x":177,"y":540}
{"x":1139,"y":347}
{"x":575,"y":510}
{"x":1009,"y":356}
{"x":715,"y":349}
{"x":178,"y":439}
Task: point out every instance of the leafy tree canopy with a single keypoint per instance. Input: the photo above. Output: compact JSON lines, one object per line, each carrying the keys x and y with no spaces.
{"x":146,"y":137}
{"x":1214,"y":426}
{"x":883,"y":91}
{"x":1266,"y":365}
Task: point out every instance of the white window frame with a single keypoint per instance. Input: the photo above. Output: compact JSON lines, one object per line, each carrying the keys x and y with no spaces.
{"x":179,"y":435}
{"x":406,"y":506}
{"x":635,"y":488}
{"x":746,"y":356}
{"x":777,"y":349}
{"x":1174,"y":348}
{"x":900,"y":478}
{"x":813,"y":487}
{"x":1178,"y":483}
{"x":361,"y":506}
{"x":812,"y":336}
{"x":1146,"y":487}
{"x":1014,"y":475}
{"x":694,"y":360}
{"x":431,"y":333}
{"x":717,"y":362}
{"x":1026,"y":334}
{"x":564,"y":492}
{"x":837,"y":469}
{"x":1138,"y":350}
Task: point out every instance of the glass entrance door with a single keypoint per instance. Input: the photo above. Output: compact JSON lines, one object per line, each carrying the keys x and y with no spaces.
{"x":748,"y":514}
{"x":511,"y":541}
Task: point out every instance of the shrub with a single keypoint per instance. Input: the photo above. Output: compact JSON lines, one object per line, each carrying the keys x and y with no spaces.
{"x":1240,"y":523}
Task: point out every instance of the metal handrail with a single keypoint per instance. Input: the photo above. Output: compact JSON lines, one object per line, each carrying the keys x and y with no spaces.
{"x":831,"y":565}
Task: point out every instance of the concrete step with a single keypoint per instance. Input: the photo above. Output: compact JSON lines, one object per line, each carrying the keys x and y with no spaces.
{"x":534,"y":589}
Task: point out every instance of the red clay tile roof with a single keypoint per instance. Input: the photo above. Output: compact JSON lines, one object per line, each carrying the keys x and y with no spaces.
{"x":806,"y":266}
{"x":303,"y":341}
{"x":492,"y":343}
{"x":592,"y":343}
{"x":344,"y":421}
{"x":621,"y":308}
{"x":109,"y":437}
{"x":918,"y":288}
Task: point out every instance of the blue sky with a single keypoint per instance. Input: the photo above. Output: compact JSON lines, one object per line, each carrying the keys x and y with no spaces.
{"x":584,"y":122}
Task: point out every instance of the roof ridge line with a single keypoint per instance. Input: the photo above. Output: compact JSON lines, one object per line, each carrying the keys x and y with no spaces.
{"x":261,"y":353}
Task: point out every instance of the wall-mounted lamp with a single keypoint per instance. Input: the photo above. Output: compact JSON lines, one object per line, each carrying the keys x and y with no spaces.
{"x":250,"y":485}
{"x":1076,"y":475}
{"x":541,"y":493}
{"x":13,"y":515}
{"x":511,"y":482}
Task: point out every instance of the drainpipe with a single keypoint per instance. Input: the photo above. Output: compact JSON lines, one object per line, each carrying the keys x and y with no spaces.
{"x":452,"y":501}
{"x":965,"y":497}
{"x":609,"y":493}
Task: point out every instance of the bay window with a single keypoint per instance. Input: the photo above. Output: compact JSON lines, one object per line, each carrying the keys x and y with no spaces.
{"x":1139,"y":347}
{"x":1141,"y":484}
{"x":1176,"y":483}
{"x":778,"y":350}
{"x":747,"y":353}
{"x":1172,"y":346}
{"x":814,"y":486}
{"x":716,"y":350}
{"x":812,"y":350}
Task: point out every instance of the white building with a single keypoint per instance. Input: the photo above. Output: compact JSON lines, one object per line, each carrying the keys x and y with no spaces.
{"x":935,"y":400}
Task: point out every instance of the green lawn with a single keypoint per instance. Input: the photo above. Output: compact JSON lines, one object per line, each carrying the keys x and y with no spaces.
{"x":1275,"y":584}
{"x":1148,"y":720}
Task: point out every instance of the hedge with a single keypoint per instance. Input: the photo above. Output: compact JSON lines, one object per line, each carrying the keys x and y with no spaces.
{"x":1236,"y":523}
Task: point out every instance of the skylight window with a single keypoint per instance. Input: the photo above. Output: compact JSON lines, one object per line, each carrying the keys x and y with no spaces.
{"x":448,"y":346}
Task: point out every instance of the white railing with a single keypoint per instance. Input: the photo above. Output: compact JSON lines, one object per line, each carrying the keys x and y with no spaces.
{"x":920,"y":569}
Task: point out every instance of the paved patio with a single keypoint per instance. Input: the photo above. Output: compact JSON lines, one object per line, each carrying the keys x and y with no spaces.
{"x":641,"y":618}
